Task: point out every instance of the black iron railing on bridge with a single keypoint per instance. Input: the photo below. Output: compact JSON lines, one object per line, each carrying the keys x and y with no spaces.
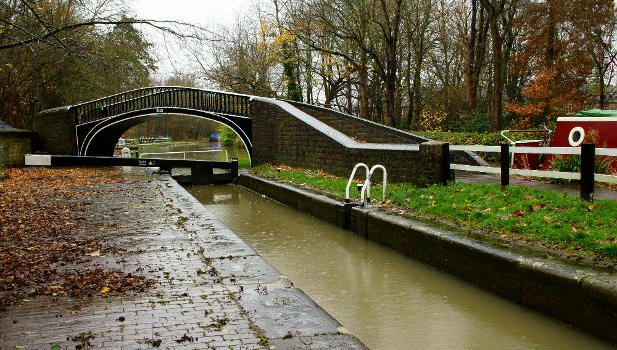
{"x":162,"y":97}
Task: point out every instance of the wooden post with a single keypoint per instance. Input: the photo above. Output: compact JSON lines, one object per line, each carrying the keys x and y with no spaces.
{"x":588,"y":156}
{"x":505,"y":165}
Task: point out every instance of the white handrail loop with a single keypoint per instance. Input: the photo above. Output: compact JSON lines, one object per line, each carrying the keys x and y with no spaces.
{"x":353,"y":172}
{"x":368,"y":182}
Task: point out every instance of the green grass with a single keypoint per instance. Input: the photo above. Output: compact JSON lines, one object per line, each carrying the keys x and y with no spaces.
{"x":244,"y":163}
{"x":530,"y":216}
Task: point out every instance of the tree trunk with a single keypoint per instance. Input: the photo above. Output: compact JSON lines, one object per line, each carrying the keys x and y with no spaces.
{"x":417,"y":96}
{"x":363,"y":87}
{"x":602,"y":88}
{"x":476,"y":49}
{"x":497,"y":109}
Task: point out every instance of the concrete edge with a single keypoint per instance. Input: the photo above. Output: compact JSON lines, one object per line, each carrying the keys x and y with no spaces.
{"x":305,"y":317}
{"x":584,"y":297}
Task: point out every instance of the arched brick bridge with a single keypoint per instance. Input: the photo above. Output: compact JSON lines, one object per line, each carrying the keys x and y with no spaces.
{"x":273,"y":131}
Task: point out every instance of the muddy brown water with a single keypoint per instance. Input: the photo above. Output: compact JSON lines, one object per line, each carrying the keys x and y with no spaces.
{"x":382,"y":297}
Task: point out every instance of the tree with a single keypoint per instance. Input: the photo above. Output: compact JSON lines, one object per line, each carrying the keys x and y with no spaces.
{"x":59,"y":52}
{"x":500,"y":16}
{"x":557,"y":48}
{"x":418,"y":17}
{"x":243,"y":60}
{"x":600,"y":36}
{"x":473,"y":31}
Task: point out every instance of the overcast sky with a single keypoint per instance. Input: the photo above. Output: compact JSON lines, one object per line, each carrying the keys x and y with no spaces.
{"x":209,"y":13}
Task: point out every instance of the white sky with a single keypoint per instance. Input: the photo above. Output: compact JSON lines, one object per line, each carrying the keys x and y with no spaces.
{"x":207,"y":13}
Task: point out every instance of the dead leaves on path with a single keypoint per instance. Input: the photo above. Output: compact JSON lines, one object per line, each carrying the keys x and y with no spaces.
{"x":44,"y":226}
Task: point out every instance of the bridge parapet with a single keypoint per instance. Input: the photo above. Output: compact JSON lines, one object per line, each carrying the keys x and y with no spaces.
{"x":284,"y":134}
{"x":161,"y":97}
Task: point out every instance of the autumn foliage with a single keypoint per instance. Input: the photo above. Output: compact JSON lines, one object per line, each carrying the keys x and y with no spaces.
{"x":556,"y":39}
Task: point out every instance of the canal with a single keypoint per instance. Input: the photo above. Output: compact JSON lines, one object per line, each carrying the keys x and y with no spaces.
{"x":382,"y":297}
{"x":194,"y":150}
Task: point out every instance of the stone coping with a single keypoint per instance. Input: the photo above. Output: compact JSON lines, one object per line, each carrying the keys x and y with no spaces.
{"x":582,"y":296}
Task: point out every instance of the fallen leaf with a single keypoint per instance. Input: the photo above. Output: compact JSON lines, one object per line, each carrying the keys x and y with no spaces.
{"x":104,"y":290}
{"x":95,"y":253}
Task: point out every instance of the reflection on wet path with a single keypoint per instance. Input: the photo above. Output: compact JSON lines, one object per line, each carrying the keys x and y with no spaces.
{"x":384,"y":298}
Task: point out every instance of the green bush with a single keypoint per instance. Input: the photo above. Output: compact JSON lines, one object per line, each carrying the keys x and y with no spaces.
{"x":473,"y":123}
{"x":228,"y":137}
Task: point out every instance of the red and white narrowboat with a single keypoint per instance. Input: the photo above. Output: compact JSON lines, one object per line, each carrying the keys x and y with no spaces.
{"x":593,"y":126}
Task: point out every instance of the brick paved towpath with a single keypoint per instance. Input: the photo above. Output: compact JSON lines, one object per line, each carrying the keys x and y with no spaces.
{"x":211,"y":291}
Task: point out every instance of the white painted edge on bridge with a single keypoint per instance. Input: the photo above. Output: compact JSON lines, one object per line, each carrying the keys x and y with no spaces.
{"x":37,"y":159}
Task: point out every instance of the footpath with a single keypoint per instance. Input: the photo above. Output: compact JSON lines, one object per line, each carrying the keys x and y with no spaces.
{"x":211,"y":290}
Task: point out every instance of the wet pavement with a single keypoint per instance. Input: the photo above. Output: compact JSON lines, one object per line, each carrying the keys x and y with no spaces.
{"x":212,"y":290}
{"x":572,"y":189}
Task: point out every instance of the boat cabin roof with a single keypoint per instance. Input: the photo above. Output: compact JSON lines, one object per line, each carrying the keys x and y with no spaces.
{"x":597,"y":113}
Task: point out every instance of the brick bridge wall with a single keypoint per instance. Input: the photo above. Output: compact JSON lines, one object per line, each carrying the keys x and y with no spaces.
{"x":366,"y":130}
{"x":56,"y":131}
{"x":284,"y":134}
{"x":361,"y":129}
{"x":14,"y":144}
{"x":304,"y":136}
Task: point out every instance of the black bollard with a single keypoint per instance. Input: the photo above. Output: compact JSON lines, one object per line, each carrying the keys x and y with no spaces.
{"x":445,"y":164}
{"x":505,"y":165}
{"x":588,"y":156}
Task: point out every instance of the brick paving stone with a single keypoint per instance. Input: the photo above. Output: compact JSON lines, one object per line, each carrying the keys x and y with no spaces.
{"x":168,"y":237}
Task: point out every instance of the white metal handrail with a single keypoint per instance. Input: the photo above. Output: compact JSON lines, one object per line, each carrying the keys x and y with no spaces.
{"x":142,"y":155}
{"x":367,"y":184}
{"x":353,"y":172}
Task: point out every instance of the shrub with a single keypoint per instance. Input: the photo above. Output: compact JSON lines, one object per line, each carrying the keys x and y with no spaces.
{"x":475,"y":122}
{"x":433,"y":120}
{"x":228,"y":137}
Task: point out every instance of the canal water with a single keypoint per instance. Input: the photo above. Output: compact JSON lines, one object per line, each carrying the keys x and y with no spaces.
{"x":194,"y":150}
{"x":382,"y":297}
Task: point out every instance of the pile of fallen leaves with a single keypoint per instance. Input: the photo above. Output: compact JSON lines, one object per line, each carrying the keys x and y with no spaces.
{"x":43,"y":227}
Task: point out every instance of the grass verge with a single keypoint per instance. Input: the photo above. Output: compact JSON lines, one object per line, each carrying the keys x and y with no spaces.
{"x":576,"y":229}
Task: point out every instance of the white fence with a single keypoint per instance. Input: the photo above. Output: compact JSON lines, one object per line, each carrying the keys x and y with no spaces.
{"x":612,"y":152}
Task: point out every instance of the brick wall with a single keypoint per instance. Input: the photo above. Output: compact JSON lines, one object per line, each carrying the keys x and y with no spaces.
{"x":56,"y":130}
{"x":282,"y":137}
{"x":14,"y":144}
{"x":366,"y":130}
{"x":362,"y":129}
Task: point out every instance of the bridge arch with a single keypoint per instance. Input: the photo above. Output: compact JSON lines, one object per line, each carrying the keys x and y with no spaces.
{"x":99,"y":138}
{"x":99,"y":124}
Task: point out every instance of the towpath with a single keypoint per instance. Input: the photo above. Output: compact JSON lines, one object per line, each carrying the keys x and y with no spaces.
{"x":210,"y":290}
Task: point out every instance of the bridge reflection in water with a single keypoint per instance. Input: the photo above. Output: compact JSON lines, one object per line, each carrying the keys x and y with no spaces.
{"x":384,"y":298}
